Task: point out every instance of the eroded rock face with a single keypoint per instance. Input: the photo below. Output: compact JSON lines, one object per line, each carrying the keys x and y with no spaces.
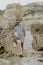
{"x":7,"y":48}
{"x":37,"y":33}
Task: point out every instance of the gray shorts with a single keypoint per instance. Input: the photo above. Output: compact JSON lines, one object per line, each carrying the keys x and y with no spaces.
{"x":22,"y":39}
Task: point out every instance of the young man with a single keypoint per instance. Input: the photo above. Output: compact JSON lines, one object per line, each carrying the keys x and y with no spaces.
{"x":20,"y":30}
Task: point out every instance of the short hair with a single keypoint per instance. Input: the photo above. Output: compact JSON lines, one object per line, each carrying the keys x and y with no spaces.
{"x":19,"y":20}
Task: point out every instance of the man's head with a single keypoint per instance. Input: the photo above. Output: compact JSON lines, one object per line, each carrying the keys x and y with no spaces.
{"x":18,"y":21}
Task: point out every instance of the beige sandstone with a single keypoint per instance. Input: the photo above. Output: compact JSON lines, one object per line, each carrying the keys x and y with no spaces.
{"x":37,"y":33}
{"x":15,"y":12}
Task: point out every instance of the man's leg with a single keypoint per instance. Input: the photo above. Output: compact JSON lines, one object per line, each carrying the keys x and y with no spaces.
{"x":15,"y":40}
{"x":22,"y":45}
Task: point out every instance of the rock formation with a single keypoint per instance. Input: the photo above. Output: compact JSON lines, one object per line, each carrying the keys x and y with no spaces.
{"x":37,"y":33}
{"x":7,"y":48}
{"x":29,"y":14}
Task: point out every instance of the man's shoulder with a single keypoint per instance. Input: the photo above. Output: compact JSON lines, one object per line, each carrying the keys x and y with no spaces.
{"x":22,"y":25}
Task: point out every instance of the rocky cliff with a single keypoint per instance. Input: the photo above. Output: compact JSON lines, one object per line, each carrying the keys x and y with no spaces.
{"x":31,"y":13}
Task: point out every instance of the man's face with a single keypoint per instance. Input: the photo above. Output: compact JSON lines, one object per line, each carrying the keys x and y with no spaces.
{"x":18,"y":22}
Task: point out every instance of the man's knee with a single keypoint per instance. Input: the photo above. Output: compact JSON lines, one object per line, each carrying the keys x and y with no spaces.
{"x":15,"y":40}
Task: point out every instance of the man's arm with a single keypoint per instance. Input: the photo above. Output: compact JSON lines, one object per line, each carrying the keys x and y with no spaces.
{"x":24,"y":30}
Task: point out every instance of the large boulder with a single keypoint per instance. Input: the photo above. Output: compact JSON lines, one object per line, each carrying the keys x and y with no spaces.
{"x":8,"y":46}
{"x":37,"y":33}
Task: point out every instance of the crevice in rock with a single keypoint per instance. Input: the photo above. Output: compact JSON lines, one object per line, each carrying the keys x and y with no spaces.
{"x":2,"y":50}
